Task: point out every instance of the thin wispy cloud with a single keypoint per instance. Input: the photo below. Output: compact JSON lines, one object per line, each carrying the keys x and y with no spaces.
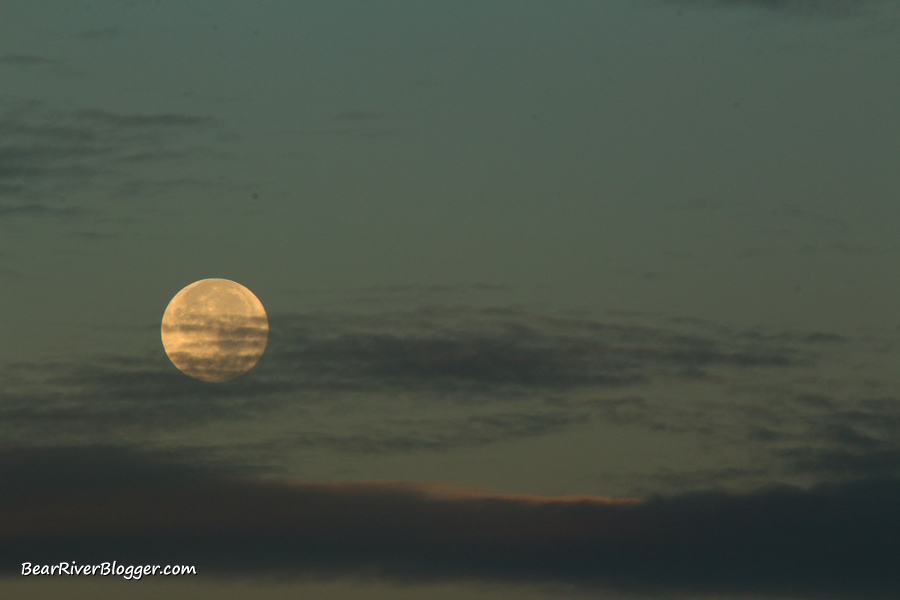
{"x":42,"y":210}
{"x":49,"y":154}
{"x":809,"y":8}
{"x":98,"y":33}
{"x":356,"y":115}
{"x":447,"y":349}
{"x":26,"y":60}
{"x":424,"y":434}
{"x":130,"y":122}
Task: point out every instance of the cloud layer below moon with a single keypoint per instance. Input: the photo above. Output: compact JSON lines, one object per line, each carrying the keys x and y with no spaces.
{"x":832,"y":541}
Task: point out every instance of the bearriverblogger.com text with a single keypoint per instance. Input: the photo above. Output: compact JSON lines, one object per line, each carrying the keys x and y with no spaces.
{"x":106,"y":569}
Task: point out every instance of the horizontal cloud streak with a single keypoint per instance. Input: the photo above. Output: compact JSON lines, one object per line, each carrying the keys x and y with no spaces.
{"x":453,"y":349}
{"x":26,"y":60}
{"x":826,"y":8}
{"x":41,"y":210}
{"x":89,"y":504}
{"x":49,"y":154}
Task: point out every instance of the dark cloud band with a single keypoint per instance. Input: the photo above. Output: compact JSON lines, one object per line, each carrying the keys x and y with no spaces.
{"x":90,"y":504}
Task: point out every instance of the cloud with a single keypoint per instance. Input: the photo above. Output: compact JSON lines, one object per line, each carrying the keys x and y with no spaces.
{"x":51,"y":155}
{"x":100,"y":33}
{"x":90,"y":504}
{"x":26,"y":60}
{"x":414,"y":435}
{"x":825,"y":8}
{"x":42,"y":210}
{"x":138,"y":121}
{"x":435,"y":379}
{"x":131,"y":399}
{"x":92,"y":236}
{"x":812,"y":437}
{"x":854,"y":439}
{"x":121,"y":398}
{"x":348,"y":382}
{"x":496,"y":349}
{"x":355,"y":115}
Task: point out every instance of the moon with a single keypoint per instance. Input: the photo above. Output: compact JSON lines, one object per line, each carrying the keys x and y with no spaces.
{"x":215,"y":330}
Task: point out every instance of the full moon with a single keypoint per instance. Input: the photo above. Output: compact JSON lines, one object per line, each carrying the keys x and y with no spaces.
{"x":215,"y":330}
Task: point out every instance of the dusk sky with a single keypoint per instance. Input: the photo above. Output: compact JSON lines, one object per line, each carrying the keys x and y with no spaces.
{"x":567,"y":300}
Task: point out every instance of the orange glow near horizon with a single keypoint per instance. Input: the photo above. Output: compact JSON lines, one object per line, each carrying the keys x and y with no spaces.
{"x":444,"y":491}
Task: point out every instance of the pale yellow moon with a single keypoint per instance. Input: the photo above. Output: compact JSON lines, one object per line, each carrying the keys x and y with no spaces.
{"x":215,"y":330}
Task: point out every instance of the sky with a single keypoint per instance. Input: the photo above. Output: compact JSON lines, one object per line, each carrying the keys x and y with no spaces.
{"x":567,"y":300}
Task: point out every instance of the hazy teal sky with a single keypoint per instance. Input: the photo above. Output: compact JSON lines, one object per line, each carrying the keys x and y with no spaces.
{"x":613,"y":248}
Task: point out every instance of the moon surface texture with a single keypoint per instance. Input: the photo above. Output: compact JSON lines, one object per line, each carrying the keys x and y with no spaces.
{"x":215,"y":330}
